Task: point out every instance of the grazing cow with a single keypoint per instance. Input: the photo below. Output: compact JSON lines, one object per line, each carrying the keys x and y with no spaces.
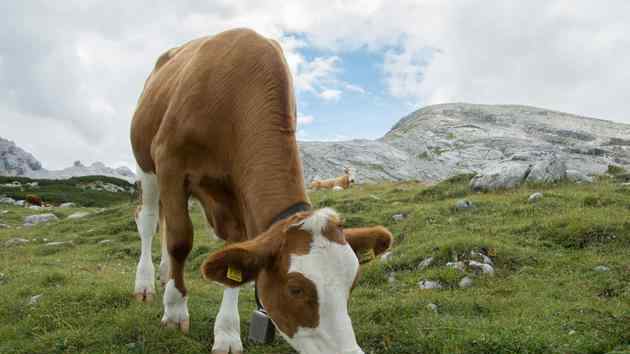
{"x":32,"y":199}
{"x":216,"y":121}
{"x":342,"y":182}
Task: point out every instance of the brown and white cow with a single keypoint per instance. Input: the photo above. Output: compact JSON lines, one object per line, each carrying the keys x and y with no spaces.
{"x":341,"y":182}
{"x":216,"y":121}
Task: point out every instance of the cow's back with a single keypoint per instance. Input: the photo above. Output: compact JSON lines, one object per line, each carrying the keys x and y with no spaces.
{"x":201,"y":93}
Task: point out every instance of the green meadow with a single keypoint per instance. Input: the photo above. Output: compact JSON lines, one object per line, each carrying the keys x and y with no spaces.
{"x":546,"y":295}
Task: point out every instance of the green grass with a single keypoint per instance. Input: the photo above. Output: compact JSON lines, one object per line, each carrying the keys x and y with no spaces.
{"x":544,"y":298}
{"x":68,"y":190}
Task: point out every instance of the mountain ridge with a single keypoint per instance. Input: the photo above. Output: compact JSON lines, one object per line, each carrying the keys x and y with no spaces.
{"x":438,"y":141}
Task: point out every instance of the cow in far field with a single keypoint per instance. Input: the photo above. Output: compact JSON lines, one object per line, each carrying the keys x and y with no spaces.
{"x":343,"y":182}
{"x":32,"y":199}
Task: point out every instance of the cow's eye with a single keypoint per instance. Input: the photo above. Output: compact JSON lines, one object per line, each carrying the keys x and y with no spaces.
{"x":293,"y":291}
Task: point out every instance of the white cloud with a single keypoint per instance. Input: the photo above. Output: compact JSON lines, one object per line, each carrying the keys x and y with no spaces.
{"x":354,"y":88}
{"x":76,"y":69}
{"x":330,"y":95}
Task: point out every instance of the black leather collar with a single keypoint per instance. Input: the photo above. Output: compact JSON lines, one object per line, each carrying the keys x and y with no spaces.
{"x":293,"y":209}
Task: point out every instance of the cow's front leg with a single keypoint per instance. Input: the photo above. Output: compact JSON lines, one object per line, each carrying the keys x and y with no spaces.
{"x":179,"y":240}
{"x":227,"y":325}
{"x":165,"y":258}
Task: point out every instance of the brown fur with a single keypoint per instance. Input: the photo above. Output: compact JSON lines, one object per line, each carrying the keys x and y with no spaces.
{"x":289,"y":298}
{"x":217,"y":120}
{"x":32,"y":199}
{"x":341,"y":181}
{"x":377,"y":238}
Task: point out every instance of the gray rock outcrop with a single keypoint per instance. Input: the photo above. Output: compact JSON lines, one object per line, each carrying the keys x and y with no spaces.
{"x":39,"y":218}
{"x":14,"y":161}
{"x":505,"y":142}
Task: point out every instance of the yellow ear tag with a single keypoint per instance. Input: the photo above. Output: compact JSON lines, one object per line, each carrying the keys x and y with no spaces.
{"x":366,"y":255}
{"x":234,"y":274}
{"x":492,"y":252}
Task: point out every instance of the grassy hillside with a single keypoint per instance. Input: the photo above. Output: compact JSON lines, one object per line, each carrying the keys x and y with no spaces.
{"x":67,"y":190}
{"x":546,"y":296}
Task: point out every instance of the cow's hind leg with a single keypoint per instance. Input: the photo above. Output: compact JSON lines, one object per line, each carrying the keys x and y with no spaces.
{"x":179,"y":239}
{"x":146,"y":221}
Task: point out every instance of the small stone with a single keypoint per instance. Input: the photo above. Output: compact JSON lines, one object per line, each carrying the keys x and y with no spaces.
{"x":399,"y":217}
{"x":102,"y":242}
{"x":429,"y":284}
{"x":2,"y":212}
{"x":337,"y":188}
{"x":535,"y":197}
{"x":386,"y":256}
{"x":58,"y":243}
{"x":485,"y":268}
{"x":67,"y":205}
{"x":425,"y":263}
{"x":601,"y":268}
{"x":572,"y":332}
{"x":78,"y":215}
{"x":464,"y":204}
{"x":432,"y":307}
{"x":35,"y":207}
{"x":7,"y":200}
{"x":374,"y":197}
{"x":466,"y":282}
{"x":457,"y":265}
{"x":34,"y":299}
{"x":4,"y":226}
{"x":486,"y":259}
{"x":391,"y":278}
{"x":40,"y":218}
{"x":20,"y":203}
{"x":16,"y":241}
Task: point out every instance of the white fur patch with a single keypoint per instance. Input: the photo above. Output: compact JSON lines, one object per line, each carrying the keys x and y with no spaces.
{"x":147,"y":224}
{"x":227,"y":326}
{"x":317,"y":222}
{"x":175,"y":304}
{"x":332,"y":267}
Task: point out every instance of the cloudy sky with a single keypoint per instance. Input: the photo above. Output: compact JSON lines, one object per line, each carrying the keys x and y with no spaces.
{"x":71,"y":71}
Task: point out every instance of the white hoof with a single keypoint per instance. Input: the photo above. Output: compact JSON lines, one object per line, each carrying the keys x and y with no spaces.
{"x":144,"y":290}
{"x":175,"y":308}
{"x":227,"y":342}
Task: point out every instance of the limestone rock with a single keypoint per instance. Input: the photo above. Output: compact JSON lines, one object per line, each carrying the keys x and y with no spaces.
{"x":430,"y":284}
{"x":535,"y":197}
{"x":39,"y":218}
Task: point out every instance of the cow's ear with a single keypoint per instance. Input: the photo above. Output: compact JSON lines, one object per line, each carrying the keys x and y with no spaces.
{"x":241,"y":262}
{"x":368,"y":242}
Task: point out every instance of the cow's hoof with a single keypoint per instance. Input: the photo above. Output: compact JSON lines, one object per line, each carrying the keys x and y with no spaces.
{"x":223,"y":352}
{"x":146,"y":296}
{"x":183,"y":325}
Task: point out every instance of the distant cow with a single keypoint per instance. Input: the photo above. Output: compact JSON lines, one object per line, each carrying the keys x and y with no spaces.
{"x":217,"y":121}
{"x":342,"y":181}
{"x":33,"y":200}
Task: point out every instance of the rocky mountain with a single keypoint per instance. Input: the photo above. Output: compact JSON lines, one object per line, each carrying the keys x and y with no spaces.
{"x":78,"y":170}
{"x":440,"y":141}
{"x":14,"y":161}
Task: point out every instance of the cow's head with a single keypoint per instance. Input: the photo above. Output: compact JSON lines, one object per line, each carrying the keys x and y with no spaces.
{"x":348,"y":171}
{"x":305,"y":267}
